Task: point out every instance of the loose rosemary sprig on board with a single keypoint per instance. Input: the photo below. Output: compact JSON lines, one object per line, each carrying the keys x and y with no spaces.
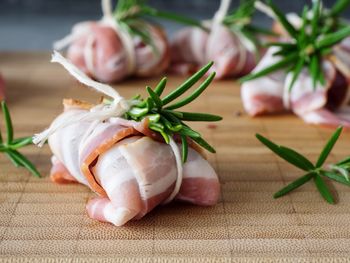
{"x":130,"y":15}
{"x":240,"y":22}
{"x":338,"y":172}
{"x":164,"y":116}
{"x":308,"y":44}
{"x":10,"y":146}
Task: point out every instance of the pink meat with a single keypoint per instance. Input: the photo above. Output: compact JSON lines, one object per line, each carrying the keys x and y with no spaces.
{"x":2,"y":88}
{"x":137,"y":173}
{"x":264,"y":95}
{"x":108,"y":56}
{"x":99,"y":52}
{"x":193,"y":47}
{"x":321,"y":105}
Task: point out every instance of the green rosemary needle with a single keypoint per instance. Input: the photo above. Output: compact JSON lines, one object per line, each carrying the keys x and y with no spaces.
{"x":309,"y":44}
{"x":10,"y":146}
{"x":240,"y":22}
{"x":166,"y":119}
{"x":130,"y":14}
{"x":338,"y":172}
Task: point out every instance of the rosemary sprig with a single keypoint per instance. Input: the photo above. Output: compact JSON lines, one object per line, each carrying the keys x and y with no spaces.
{"x":11,"y":145}
{"x":130,"y":14}
{"x":308,"y":44}
{"x":338,"y":172}
{"x":164,"y":117}
{"x":240,"y":22}
{"x":329,"y":18}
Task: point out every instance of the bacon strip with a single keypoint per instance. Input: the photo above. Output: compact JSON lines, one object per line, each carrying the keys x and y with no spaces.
{"x":320,"y":105}
{"x":99,"y":52}
{"x":193,"y":47}
{"x":132,"y":173}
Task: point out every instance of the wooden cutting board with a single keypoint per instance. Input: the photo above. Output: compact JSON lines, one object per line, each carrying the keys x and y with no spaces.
{"x":40,"y":220}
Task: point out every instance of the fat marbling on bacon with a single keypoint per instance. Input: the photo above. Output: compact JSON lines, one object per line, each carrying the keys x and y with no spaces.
{"x":132,"y":173}
{"x":326,"y":105}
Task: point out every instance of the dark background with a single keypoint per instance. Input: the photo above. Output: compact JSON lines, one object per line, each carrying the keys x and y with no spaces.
{"x":35,"y":24}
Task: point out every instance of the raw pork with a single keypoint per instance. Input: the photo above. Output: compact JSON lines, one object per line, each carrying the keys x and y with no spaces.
{"x":326,"y":105}
{"x":193,"y":48}
{"x":132,"y":173}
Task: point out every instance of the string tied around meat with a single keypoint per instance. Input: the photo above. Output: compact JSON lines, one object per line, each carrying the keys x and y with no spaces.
{"x":242,"y":43}
{"x":109,"y":20}
{"x":101,"y":112}
{"x":179,"y":168}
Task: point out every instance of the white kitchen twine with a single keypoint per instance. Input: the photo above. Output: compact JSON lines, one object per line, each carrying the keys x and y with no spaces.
{"x":262,"y":7}
{"x":286,"y":97}
{"x":221,"y":13}
{"x":125,"y":37}
{"x":217,"y":22}
{"x":179,"y":167}
{"x":107,"y":19}
{"x":102,"y":112}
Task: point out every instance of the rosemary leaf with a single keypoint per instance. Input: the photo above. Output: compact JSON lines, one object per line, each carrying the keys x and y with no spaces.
{"x":258,"y":30}
{"x":328,"y":147}
{"x":323,"y":189}
{"x":13,"y":158}
{"x":333,"y":38}
{"x":321,"y":77}
{"x":339,"y":7}
{"x":176,"y":114}
{"x":160,"y":128}
{"x":293,"y":185}
{"x":279,"y":65}
{"x":315,"y":18}
{"x":302,"y":38}
{"x":335,"y":177}
{"x":158,"y":102}
{"x":160,"y":87}
{"x":153,"y":117}
{"x":187,"y":84}
{"x":184,"y":148}
{"x":193,"y":116}
{"x":8,"y":122}
{"x":25,"y":162}
{"x":21,"y":142}
{"x":187,"y":131}
{"x":283,"y":20}
{"x":170,"y":116}
{"x":298,"y":67}
{"x":345,"y":161}
{"x":173,"y":17}
{"x":149,"y":104}
{"x":137,"y":112}
{"x":280,"y":44}
{"x":194,"y":95}
{"x":287,"y":154}
{"x":170,"y":126}
{"x":200,"y":141}
{"x":314,"y":68}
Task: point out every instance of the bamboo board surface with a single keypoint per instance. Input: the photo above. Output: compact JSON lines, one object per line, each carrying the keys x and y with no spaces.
{"x":40,"y":220}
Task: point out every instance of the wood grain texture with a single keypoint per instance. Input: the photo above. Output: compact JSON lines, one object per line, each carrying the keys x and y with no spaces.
{"x":41,"y":221}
